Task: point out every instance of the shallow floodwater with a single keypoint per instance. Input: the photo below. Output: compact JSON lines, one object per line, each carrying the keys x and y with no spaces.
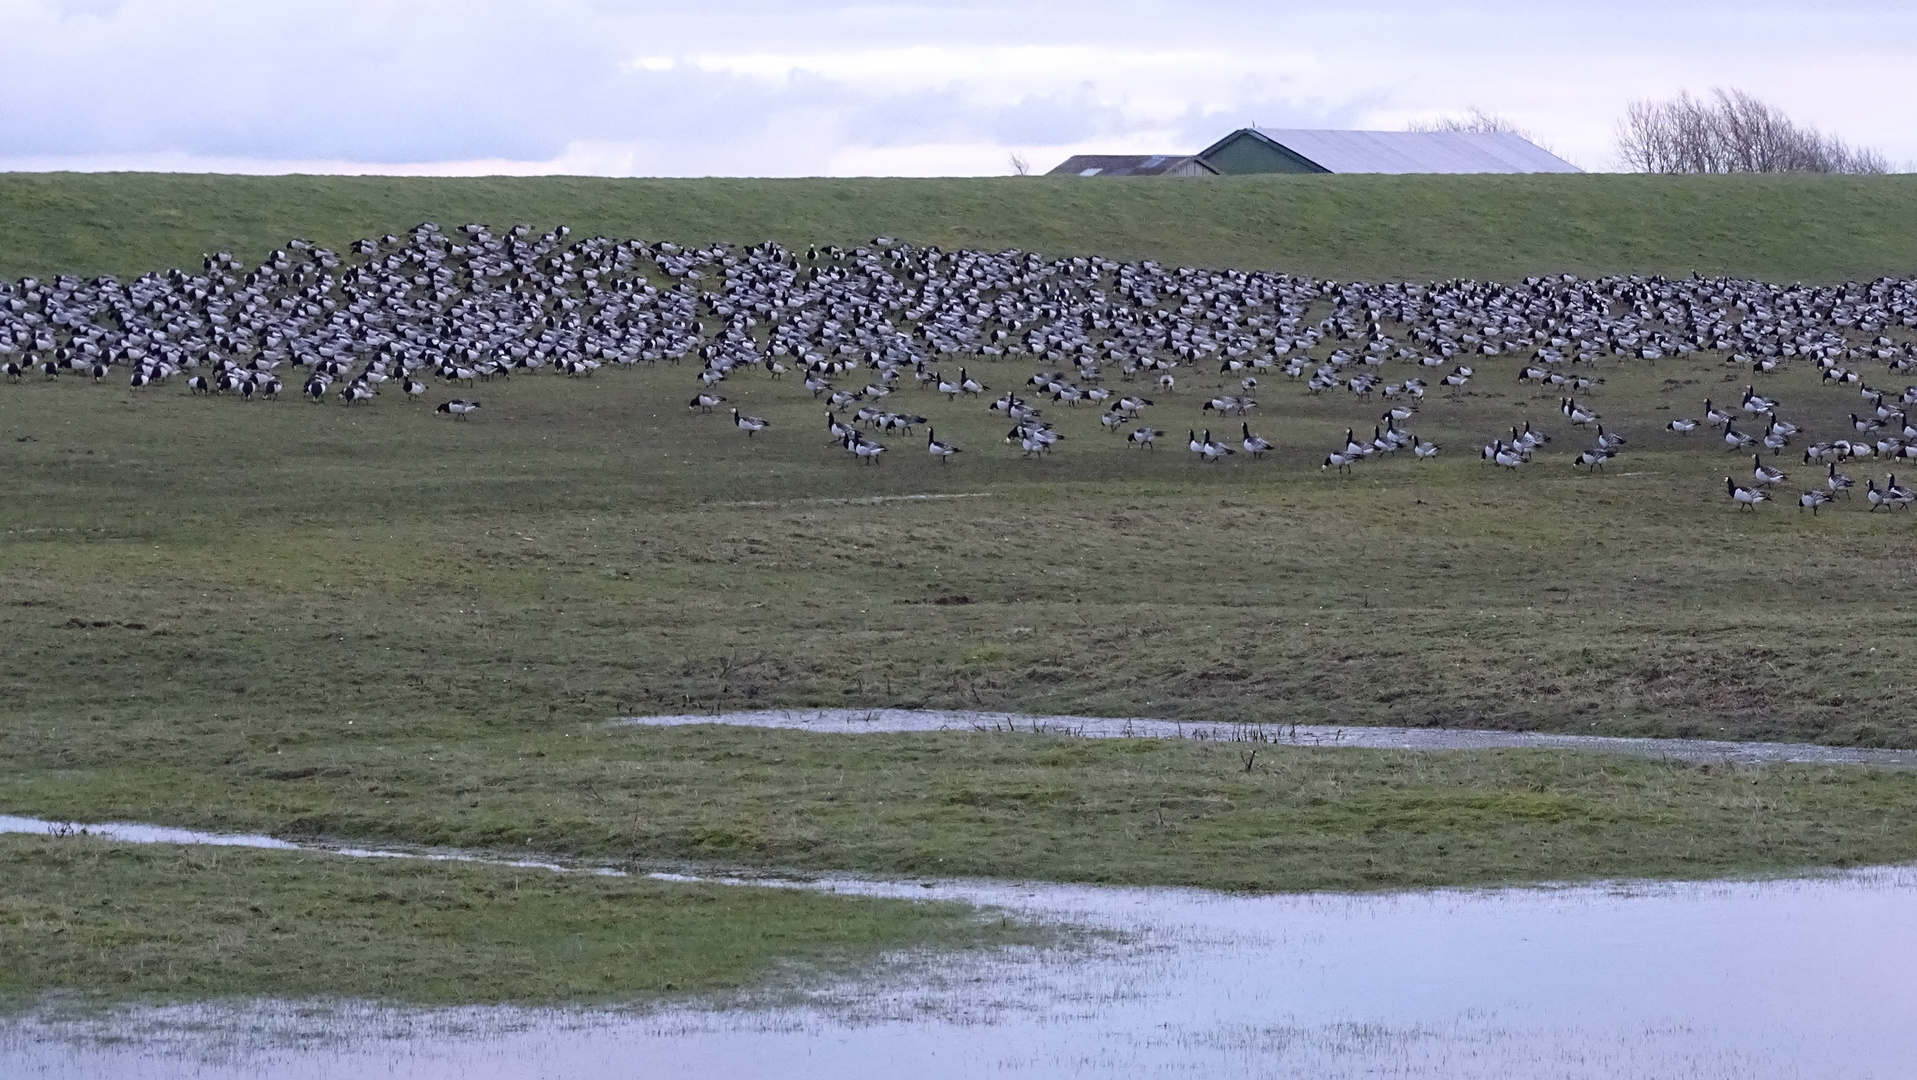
{"x":879,"y":721}
{"x":1774,"y":979}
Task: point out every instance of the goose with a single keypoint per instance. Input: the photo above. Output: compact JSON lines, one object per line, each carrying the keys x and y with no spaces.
{"x":939,"y":450}
{"x":355,"y":392}
{"x":459,"y":408}
{"x":1143,"y":437}
{"x":1506,"y":456}
{"x":1608,"y":441}
{"x":1215,"y":450}
{"x":1837,"y":482}
{"x":1254,"y":445}
{"x":1755,"y":404}
{"x":969,"y":386}
{"x":1811,"y":500}
{"x":13,"y":370}
{"x":197,"y":384}
{"x":751,"y":425}
{"x":1340,"y":461}
{"x":1422,"y":450}
{"x":865,"y":449}
{"x":1579,"y":415}
{"x":413,"y":388}
{"x":1193,"y":443}
{"x":1875,"y":497}
{"x":1354,"y":448}
{"x":1899,"y":495}
{"x":1745,"y":498}
{"x":1131,"y":404}
{"x":1111,"y":421}
{"x":1593,"y":459}
{"x":839,"y":432}
{"x":1683,"y":425}
{"x":1735,"y":439}
{"x":705,"y":403}
{"x":1765,"y":476}
{"x":1715,"y":416}
{"x":950,"y":389}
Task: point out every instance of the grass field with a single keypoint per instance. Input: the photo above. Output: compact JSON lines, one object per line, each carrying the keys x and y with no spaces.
{"x":377,"y":623}
{"x":124,"y":921}
{"x":1782,"y":228}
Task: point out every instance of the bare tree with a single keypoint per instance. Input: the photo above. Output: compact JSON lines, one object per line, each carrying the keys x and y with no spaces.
{"x":1020,"y":167}
{"x":1472,"y":119}
{"x":1731,"y":131}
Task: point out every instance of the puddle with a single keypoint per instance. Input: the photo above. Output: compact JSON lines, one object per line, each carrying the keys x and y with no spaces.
{"x":877,"y":721}
{"x":1761,"y":980}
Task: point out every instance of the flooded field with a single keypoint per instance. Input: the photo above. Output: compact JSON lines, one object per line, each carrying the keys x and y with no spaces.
{"x":1769,"y":979}
{"x":877,"y":721}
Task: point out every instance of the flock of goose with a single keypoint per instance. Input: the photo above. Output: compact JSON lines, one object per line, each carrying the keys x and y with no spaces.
{"x":437,"y":311}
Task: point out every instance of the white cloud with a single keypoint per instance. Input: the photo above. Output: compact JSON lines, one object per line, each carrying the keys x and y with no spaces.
{"x":756,"y":88}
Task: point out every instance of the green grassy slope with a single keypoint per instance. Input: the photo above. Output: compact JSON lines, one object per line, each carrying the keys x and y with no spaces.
{"x":1821,"y":228}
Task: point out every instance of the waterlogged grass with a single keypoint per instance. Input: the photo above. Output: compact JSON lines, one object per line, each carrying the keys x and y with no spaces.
{"x":170,"y":923}
{"x":1220,"y":815}
{"x":1785,"y":228}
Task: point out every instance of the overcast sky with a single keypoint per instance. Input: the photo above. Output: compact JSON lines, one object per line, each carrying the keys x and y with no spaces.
{"x":751,"y":88}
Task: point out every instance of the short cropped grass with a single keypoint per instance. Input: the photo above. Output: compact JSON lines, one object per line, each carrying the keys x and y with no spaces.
{"x":1783,"y":228}
{"x":118,"y":922}
{"x":179,"y":575}
{"x":1234,"y":816}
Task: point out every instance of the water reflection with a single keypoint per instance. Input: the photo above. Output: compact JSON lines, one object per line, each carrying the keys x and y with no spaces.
{"x":1802,"y":978}
{"x":876,"y":721}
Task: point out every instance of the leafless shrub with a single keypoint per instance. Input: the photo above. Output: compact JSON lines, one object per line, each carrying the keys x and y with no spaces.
{"x":1020,"y":167}
{"x":1730,"y":132}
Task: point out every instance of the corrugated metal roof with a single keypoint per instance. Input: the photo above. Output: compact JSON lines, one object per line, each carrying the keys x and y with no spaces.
{"x":1123,"y":165}
{"x":1418,"y":151}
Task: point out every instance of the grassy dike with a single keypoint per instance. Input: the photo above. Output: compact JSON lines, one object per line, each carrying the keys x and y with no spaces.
{"x":1812,"y":228}
{"x":120,"y":922}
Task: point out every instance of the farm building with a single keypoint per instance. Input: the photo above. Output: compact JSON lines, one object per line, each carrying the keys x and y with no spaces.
{"x":1308,"y":150}
{"x":1131,"y":165}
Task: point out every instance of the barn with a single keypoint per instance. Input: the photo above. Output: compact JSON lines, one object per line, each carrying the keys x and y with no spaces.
{"x":1310,"y":150}
{"x":1131,"y":165}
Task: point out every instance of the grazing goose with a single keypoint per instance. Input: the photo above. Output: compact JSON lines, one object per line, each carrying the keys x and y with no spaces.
{"x":1811,"y":500}
{"x":1340,"y":461}
{"x":1579,"y":415}
{"x":704,"y":403}
{"x":939,"y":450}
{"x":1745,"y":498}
{"x":751,"y":425}
{"x":1144,"y":436}
{"x":458,"y":407}
{"x":1593,"y":459}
